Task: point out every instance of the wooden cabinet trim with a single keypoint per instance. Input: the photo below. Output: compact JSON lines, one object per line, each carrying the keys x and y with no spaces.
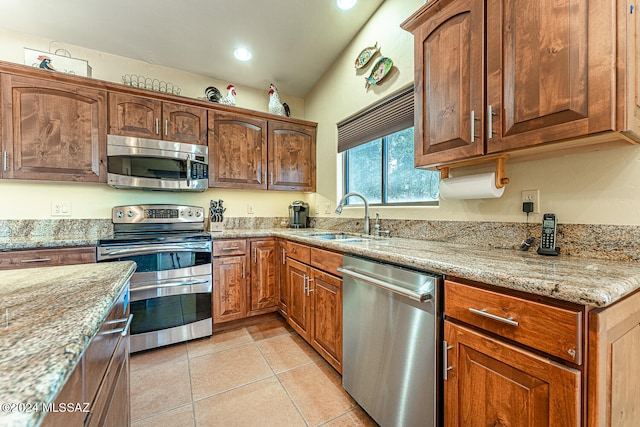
{"x":326,"y":260}
{"x":229,"y":247}
{"x":299,"y":252}
{"x":47,"y":257}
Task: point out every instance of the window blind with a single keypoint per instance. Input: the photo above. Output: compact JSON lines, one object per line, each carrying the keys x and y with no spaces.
{"x":384,"y":118}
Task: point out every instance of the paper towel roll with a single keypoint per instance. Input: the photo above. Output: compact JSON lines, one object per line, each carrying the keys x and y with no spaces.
{"x":478,"y":186}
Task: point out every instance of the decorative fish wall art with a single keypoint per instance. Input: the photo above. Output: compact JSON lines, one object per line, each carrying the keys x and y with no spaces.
{"x":379,"y":71}
{"x":366,"y":55}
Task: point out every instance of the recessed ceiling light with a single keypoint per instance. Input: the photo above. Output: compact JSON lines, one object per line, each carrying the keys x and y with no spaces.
{"x":242,"y":54}
{"x":346,"y":4}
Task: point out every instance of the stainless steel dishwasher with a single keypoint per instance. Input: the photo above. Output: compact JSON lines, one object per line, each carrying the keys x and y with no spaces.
{"x":391,"y":324}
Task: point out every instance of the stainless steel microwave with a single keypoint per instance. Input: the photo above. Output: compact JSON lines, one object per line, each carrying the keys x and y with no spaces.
{"x":152,"y":164}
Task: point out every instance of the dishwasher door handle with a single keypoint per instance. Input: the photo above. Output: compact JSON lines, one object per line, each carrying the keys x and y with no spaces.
{"x":420,"y":297}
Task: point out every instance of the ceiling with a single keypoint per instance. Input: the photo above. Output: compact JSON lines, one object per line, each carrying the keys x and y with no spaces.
{"x":293,"y":41}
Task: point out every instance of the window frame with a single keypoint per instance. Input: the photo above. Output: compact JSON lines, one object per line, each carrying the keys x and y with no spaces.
{"x":384,"y":160}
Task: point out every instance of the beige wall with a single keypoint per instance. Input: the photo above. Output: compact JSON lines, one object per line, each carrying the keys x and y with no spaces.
{"x":21,"y":200}
{"x":594,"y":188}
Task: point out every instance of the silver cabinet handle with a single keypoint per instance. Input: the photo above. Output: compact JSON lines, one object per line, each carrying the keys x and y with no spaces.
{"x":169,"y":285}
{"x":445,"y":359}
{"x":231,"y":248}
{"x":284,"y":256}
{"x":309,"y":290}
{"x":243,"y":271}
{"x":255,"y":255}
{"x":473,"y":125}
{"x":483,"y":312}
{"x":35,"y":260}
{"x":271,"y":178}
{"x":166,"y":126}
{"x":122,"y":331}
{"x":157,"y":126}
{"x":490,"y":115}
{"x":4,"y":161}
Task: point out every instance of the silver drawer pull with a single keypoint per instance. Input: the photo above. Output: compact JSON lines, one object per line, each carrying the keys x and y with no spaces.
{"x":231,"y":248}
{"x":122,"y":331}
{"x":508,"y":320}
{"x":36,"y":260}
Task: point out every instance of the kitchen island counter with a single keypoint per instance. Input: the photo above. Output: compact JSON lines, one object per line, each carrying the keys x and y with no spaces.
{"x":585,"y":281}
{"x":49,"y":316}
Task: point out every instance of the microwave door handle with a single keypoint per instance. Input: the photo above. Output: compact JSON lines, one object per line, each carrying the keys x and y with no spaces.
{"x":188,"y":171}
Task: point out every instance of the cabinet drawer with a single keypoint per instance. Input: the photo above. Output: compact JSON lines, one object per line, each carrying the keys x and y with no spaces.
{"x":326,"y":260}
{"x":553,"y":330}
{"x":46,"y":257}
{"x":229,"y":247}
{"x":299,"y":252}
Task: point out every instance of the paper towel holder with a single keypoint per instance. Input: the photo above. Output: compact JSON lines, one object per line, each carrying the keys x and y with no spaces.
{"x":501,"y":160}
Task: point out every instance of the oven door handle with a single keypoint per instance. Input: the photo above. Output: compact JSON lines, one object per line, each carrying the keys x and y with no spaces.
{"x":169,"y":285}
{"x":151,"y":249}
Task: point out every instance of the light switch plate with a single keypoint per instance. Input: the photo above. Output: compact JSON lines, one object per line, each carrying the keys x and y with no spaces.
{"x":61,"y":208}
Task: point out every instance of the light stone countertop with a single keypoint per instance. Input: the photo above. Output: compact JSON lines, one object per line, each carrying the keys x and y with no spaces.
{"x":53,"y":312}
{"x":590,"y":282}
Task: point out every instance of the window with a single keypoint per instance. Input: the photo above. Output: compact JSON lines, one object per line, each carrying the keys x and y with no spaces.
{"x":378,"y":155}
{"x":382,"y":170}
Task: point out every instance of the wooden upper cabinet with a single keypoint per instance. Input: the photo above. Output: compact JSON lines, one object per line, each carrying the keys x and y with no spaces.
{"x":184,"y":123}
{"x":550,"y":71}
{"x":137,"y":116}
{"x":53,"y":131}
{"x":237,"y":151}
{"x":292,"y":156}
{"x":449,"y":51}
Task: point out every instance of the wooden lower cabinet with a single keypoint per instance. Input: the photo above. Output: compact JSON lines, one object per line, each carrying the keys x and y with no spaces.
{"x":491,"y":382}
{"x":614,"y":368}
{"x":314,"y":308}
{"x":263,"y":291}
{"x":229,"y":288}
{"x":244,"y":278}
{"x":47,"y":257}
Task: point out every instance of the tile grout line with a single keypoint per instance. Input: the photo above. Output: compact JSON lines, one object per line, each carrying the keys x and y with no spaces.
{"x":193,"y":405}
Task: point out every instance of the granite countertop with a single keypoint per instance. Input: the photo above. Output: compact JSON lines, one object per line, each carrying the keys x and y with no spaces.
{"x":53,"y":312}
{"x":590,"y":282}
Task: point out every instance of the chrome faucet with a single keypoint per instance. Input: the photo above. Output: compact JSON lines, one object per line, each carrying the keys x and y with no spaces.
{"x":366,"y":208}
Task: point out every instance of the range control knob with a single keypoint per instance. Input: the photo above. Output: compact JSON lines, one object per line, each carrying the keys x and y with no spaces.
{"x":130,"y":214}
{"x":198,"y":214}
{"x":120,"y":214}
{"x":189,"y":212}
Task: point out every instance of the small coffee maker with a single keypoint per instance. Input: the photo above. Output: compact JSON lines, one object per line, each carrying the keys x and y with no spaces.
{"x":298,"y":214}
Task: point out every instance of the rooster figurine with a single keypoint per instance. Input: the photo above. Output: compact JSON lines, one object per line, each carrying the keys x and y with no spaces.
{"x":275,"y":106}
{"x":230,"y":99}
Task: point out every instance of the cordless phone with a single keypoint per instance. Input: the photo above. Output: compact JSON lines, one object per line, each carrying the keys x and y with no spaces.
{"x":548,"y":238}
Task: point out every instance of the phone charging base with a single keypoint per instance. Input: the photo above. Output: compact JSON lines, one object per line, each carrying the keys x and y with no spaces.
{"x":552,"y":252}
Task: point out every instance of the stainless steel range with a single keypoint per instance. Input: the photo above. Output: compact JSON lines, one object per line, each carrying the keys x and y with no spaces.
{"x":171,"y":288}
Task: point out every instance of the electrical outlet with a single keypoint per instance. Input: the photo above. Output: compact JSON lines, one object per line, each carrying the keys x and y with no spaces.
{"x":250,"y":208}
{"x":61,"y":208}
{"x":327,"y":207}
{"x":532,"y":196}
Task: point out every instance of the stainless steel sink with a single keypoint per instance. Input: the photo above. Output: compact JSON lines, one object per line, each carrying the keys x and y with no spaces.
{"x":343,"y":237}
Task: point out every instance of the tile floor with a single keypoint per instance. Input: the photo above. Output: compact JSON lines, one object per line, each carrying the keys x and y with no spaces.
{"x":258,"y":375}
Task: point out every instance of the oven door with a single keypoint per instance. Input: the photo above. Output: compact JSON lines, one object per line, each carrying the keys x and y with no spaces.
{"x":170,"y":311}
{"x":160,"y":262}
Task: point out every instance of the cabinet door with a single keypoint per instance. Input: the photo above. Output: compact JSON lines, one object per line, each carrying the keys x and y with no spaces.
{"x":449,"y":52}
{"x":237,"y":151}
{"x":184,"y":123}
{"x":326,"y":335}
{"x":229,"y":289}
{"x":283,"y":287}
{"x":134,"y":116}
{"x":292,"y":157}
{"x":490,"y":382}
{"x":53,"y":131}
{"x":550,"y":71}
{"x":299,"y":301}
{"x":264,"y":287}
